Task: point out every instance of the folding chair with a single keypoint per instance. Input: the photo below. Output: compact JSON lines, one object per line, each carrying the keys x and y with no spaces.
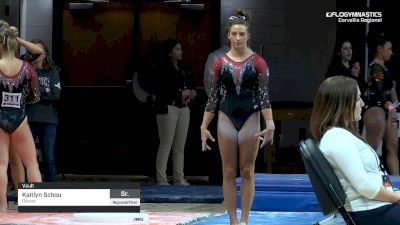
{"x":329,"y":191}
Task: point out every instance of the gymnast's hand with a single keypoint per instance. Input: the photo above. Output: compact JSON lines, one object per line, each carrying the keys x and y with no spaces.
{"x":267,"y":135}
{"x":205,"y":134}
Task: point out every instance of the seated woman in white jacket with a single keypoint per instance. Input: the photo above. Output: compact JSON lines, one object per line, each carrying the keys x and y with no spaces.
{"x":370,"y":196}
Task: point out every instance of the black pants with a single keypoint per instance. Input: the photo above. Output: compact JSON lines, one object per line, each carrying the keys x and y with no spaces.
{"x":384,"y":215}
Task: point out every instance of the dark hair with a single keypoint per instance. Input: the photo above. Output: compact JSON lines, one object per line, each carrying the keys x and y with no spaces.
{"x":339,"y":44}
{"x":48,"y":63}
{"x":338,"y":47}
{"x":376,"y":39}
{"x":167,"y":46}
{"x":334,"y":106}
{"x":239,"y":16}
{"x":336,"y":58}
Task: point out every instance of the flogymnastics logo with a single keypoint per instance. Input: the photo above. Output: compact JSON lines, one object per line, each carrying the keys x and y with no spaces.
{"x":356,"y":17}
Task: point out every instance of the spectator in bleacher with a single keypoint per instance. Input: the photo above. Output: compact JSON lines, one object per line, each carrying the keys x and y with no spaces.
{"x":371,"y":199}
{"x":239,"y":84}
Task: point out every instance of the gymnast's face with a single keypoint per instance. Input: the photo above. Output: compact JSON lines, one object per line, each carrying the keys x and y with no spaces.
{"x":238,"y":36}
{"x":359,"y":105}
{"x":386,"y":51}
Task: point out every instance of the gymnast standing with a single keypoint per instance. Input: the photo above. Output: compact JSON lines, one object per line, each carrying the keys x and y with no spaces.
{"x":380,"y":116}
{"x":242,"y":77}
{"x":18,"y":87}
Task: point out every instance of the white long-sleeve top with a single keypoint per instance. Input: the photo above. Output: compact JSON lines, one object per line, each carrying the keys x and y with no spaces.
{"x":356,"y":165}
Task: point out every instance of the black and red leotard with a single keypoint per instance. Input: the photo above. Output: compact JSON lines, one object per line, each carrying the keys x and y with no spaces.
{"x":240,"y":87}
{"x":379,"y":86}
{"x":15,"y":92}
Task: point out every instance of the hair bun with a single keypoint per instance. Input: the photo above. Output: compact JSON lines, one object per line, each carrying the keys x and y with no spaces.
{"x":377,"y":38}
{"x":241,"y":13}
{"x":239,"y":16}
{"x":11,"y":32}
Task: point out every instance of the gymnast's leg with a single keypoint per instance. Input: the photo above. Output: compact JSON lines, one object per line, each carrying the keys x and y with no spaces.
{"x":22,"y":142}
{"x":228,"y":146}
{"x":248,"y":150}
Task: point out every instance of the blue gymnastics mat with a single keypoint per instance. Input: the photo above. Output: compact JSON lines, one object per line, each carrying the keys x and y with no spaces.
{"x":181,"y":194}
{"x":276,"y":218}
{"x":286,"y":192}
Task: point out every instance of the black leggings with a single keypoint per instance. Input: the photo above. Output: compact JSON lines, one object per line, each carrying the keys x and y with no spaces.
{"x":384,"y":215}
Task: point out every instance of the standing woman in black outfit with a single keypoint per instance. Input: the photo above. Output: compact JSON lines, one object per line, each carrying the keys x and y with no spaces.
{"x":175,"y":89}
{"x":342,"y":64}
{"x":42,"y":116}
